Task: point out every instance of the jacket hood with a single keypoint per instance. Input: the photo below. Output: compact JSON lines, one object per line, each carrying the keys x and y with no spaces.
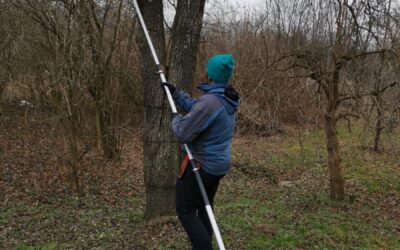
{"x":227,"y":93}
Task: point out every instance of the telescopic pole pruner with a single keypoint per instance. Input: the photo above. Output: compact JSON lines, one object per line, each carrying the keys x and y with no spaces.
{"x":173,"y":109}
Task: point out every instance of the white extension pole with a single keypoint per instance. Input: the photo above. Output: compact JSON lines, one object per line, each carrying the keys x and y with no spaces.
{"x":173,"y":108}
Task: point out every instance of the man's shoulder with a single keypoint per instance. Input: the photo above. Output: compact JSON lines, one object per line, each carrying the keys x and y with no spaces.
{"x":210,"y":98}
{"x":209,"y":102}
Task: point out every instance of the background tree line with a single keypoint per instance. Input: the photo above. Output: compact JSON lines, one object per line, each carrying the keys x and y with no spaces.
{"x":299,"y":64}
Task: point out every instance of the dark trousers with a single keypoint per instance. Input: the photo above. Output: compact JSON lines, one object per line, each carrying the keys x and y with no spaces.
{"x":191,"y":210}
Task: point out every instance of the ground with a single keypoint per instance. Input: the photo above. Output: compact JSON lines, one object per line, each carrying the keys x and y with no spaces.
{"x":275,"y":197}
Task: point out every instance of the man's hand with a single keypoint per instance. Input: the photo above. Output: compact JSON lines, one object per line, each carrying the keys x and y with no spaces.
{"x":173,"y":115}
{"x":170,"y":86}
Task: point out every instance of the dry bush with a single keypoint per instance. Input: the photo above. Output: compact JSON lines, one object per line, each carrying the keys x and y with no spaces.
{"x":79,"y":62}
{"x":271,"y":97}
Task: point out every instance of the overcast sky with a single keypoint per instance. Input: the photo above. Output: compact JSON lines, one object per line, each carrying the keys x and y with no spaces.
{"x":244,"y":2}
{"x":210,"y":4}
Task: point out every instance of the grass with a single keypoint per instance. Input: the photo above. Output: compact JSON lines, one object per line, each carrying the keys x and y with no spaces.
{"x":302,"y":216}
{"x":275,"y":197}
{"x":302,"y":222}
{"x":82,"y":222}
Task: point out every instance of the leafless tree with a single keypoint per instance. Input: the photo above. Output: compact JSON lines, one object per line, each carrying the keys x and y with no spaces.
{"x":379,"y":75}
{"x":76,"y":59}
{"x":160,"y":149}
{"x":56,"y":73}
{"x":347,"y":33}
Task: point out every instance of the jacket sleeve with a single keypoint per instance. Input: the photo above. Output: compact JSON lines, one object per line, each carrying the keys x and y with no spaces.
{"x":184,"y":100}
{"x":187,"y":128}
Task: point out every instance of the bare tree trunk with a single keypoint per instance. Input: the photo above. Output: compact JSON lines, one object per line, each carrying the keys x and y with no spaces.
{"x":333,"y":161}
{"x":74,"y":162}
{"x":332,"y":142}
{"x":378,"y":131}
{"x":161,"y":159}
{"x":185,"y":43}
{"x":98,"y":129}
{"x":160,"y":151}
{"x":108,"y":132}
{"x":379,"y":124}
{"x":332,"y":93}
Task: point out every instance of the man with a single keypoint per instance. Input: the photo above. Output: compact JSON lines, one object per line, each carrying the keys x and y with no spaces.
{"x":207,"y":128}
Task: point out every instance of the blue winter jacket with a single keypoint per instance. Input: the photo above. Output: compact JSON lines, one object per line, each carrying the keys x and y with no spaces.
{"x":207,"y":127}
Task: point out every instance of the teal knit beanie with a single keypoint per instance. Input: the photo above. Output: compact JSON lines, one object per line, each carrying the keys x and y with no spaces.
{"x":220,"y":68}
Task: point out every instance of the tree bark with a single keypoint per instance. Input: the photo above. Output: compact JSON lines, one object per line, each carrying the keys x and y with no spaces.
{"x":74,"y":163}
{"x":333,"y":161}
{"x":161,"y":158}
{"x":160,"y":151}
{"x":108,"y":132}
{"x":331,"y":89}
{"x":185,"y":43}
{"x":378,"y":125}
